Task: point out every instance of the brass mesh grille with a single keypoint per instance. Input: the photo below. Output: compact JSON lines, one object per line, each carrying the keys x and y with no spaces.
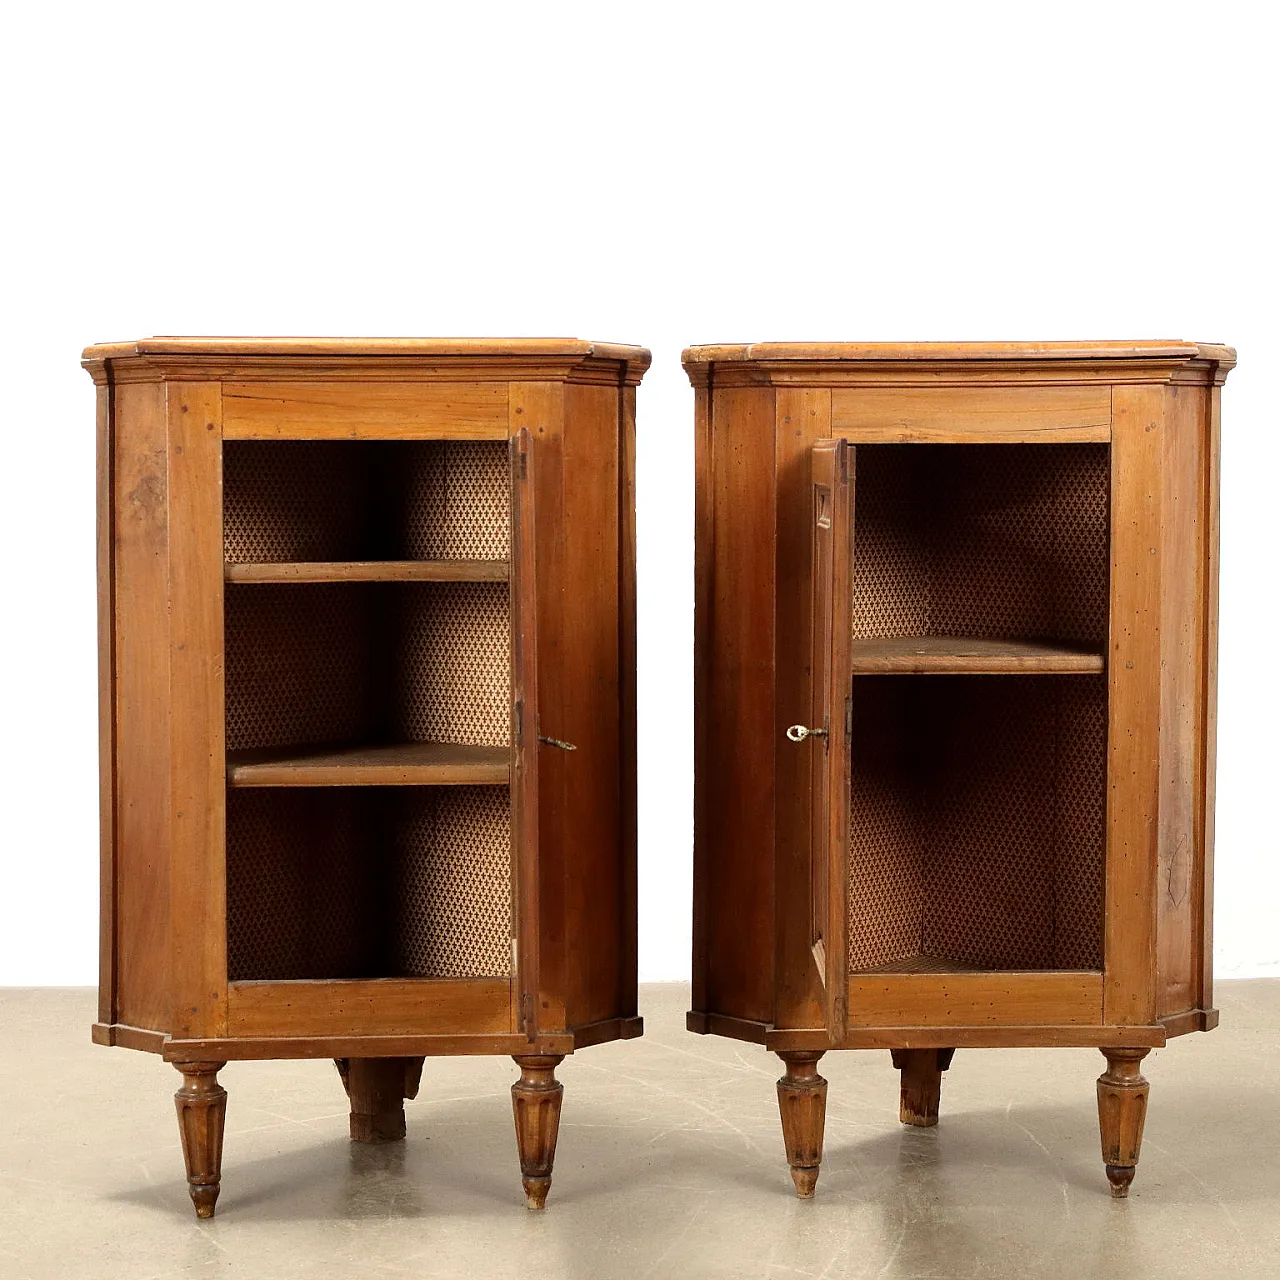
{"x":351,"y":882}
{"x":301,"y":891}
{"x":287,"y":500}
{"x":999,"y":541}
{"x":297,"y":668}
{"x":454,"y":664}
{"x":453,"y":884}
{"x":977,"y":829}
{"x":367,"y":662}
{"x":978,"y":803}
{"x":458,"y":502}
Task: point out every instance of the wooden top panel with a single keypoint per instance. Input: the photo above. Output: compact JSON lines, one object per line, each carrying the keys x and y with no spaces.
{"x":168,"y":345}
{"x":250,"y":359}
{"x":1156,"y":349}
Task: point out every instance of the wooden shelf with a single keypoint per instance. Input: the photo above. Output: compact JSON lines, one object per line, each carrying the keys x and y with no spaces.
{"x":406,"y":764}
{"x":372,"y":571}
{"x":961,"y":655}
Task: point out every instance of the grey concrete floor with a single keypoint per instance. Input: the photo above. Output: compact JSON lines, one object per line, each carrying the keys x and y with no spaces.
{"x":670,"y":1164}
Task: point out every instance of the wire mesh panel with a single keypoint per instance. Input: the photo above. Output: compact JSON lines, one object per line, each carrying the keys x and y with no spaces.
{"x":362,"y":663}
{"x":302,"y":890}
{"x":298,"y":666}
{"x":452,"y":893}
{"x":301,"y":500}
{"x":997,"y":541}
{"x":977,"y":825}
{"x":452,"y":650}
{"x":978,"y":822}
{"x":362,"y":882}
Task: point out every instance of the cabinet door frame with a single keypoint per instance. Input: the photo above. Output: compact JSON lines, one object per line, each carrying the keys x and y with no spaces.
{"x":525,"y":952}
{"x":832,"y":472}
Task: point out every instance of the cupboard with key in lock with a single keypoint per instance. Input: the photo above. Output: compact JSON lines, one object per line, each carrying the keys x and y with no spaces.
{"x":956,"y":645}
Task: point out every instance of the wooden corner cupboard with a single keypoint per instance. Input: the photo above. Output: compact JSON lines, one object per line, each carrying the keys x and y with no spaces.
{"x":367,"y":713}
{"x":955,"y":675}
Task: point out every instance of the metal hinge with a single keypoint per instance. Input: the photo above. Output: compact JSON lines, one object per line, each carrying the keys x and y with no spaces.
{"x":519,"y":719}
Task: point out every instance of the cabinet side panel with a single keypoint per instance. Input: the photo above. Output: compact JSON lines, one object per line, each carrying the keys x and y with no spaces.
{"x":733,"y":772}
{"x":1209,"y":691}
{"x":590,"y":707}
{"x":538,"y":407}
{"x":1134,"y":684}
{"x":1182,"y":580}
{"x":140,"y":634}
{"x":629,"y":853}
{"x":106,"y":706}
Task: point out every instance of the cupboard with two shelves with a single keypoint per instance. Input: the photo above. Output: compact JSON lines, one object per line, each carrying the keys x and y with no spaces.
{"x":368,"y":713}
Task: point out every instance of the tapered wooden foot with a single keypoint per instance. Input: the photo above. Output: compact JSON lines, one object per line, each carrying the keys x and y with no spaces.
{"x":921,"y":1083}
{"x":535,"y":1099}
{"x":377,"y":1088}
{"x":1122,"y":1110}
{"x":802,"y":1103}
{"x":202,"y":1114}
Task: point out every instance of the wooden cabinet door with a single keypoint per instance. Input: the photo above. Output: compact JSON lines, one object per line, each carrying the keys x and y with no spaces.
{"x":524,"y":733}
{"x":832,"y":567}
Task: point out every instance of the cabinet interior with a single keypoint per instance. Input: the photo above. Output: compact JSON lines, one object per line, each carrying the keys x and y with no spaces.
{"x":978,"y":800}
{"x":367,"y":663}
{"x":368,"y":882}
{"x":322,"y":500}
{"x":998,"y":542}
{"x":327,"y":879}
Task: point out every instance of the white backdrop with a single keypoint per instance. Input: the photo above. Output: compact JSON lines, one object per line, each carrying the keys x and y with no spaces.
{"x":642,"y":173}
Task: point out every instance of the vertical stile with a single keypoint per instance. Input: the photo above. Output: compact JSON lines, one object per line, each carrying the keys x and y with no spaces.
{"x":831,"y":634}
{"x":524,"y":738}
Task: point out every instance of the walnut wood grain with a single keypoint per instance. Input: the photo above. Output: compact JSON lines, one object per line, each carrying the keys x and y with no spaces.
{"x":377,"y":1089}
{"x":964,"y":655}
{"x":535,"y":1103}
{"x":1122,"y":1112}
{"x":165,"y":408}
{"x":974,"y":998}
{"x":404,"y":764}
{"x":362,"y":1007}
{"x":966,"y":351}
{"x":920,"y":1086}
{"x":802,"y":1104}
{"x":372,"y":571}
{"x":201,"y":1104}
{"x":1153,"y":408}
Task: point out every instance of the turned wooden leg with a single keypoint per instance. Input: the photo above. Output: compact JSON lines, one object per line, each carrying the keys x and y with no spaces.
{"x":921,"y":1083}
{"x":802,"y":1103}
{"x":202,"y":1113}
{"x":1122,"y":1109}
{"x":377,"y":1088}
{"x":535,"y":1099}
